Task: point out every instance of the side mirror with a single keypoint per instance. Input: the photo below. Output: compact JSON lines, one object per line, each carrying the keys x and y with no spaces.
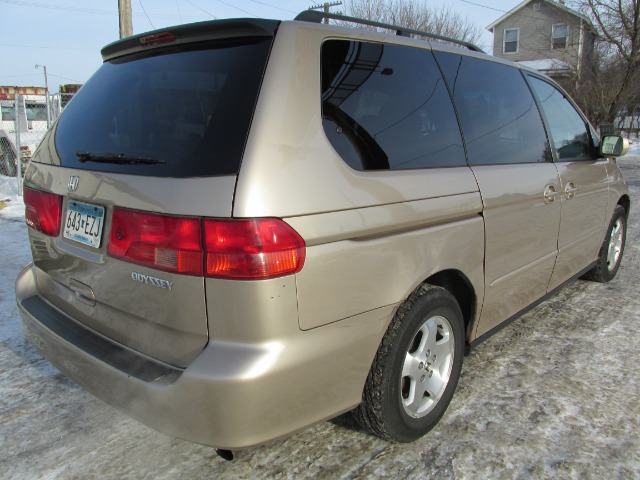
{"x":614,"y":146}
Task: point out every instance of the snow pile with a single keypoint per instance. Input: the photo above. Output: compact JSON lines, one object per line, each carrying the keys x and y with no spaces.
{"x":8,"y":186}
{"x":14,"y":254}
{"x":11,"y":204}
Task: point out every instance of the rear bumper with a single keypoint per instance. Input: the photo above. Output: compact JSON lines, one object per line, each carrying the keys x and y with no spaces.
{"x":233,"y":395}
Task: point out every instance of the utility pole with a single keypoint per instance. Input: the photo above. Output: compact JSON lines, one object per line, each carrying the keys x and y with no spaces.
{"x":126,"y":24}
{"x":46,"y":93}
{"x":326,"y":6}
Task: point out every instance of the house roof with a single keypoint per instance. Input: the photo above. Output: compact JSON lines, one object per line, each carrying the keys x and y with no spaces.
{"x":551,"y":2}
{"x":547,"y":65}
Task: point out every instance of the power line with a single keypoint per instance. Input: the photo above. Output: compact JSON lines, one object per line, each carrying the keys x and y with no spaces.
{"x":179,"y":12}
{"x":272,"y":6}
{"x":145,"y":14}
{"x":237,"y":8}
{"x":23,"y":3}
{"x":93,"y":11}
{"x":483,"y":6}
{"x":202,"y":9}
{"x":21,"y":75}
{"x":38,"y":75}
{"x":47,"y":47}
{"x":64,"y":78}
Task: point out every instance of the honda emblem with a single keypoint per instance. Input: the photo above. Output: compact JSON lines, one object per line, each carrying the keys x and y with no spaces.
{"x":72,"y":186}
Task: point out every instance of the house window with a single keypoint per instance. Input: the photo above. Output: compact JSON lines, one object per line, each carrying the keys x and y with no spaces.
{"x":511,"y":39}
{"x":536,"y":6}
{"x":559,"y":36}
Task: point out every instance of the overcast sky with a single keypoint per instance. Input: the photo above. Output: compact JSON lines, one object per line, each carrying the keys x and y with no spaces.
{"x":67,"y":35}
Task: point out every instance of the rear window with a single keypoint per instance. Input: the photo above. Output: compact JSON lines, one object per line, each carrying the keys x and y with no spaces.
{"x":182,"y":112}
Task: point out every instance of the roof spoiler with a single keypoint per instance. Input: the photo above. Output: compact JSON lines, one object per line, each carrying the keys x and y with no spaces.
{"x":193,"y":32}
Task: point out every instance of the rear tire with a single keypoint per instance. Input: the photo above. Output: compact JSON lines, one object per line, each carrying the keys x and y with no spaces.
{"x":416,"y":368}
{"x":612,"y":249}
{"x":8,"y":165}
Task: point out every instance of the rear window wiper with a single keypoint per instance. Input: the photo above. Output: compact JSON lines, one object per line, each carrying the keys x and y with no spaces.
{"x":118,"y":158}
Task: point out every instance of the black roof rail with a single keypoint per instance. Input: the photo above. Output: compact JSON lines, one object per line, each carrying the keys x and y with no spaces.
{"x":317,"y":17}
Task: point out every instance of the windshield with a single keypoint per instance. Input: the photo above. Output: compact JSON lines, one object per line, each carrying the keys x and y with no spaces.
{"x":189,"y":108}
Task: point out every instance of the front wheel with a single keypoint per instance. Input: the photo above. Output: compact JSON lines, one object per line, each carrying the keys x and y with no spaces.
{"x":416,"y":369}
{"x":612,"y":249}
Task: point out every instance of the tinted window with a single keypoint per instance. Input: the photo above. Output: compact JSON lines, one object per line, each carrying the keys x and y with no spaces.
{"x":567,"y":128}
{"x":499,"y":118}
{"x":190,"y":108}
{"x":387,"y":107}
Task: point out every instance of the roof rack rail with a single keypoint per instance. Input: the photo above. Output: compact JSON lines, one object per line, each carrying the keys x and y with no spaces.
{"x":317,"y":17}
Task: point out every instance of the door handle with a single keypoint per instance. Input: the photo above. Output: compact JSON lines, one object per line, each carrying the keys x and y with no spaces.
{"x":570,"y":190}
{"x":550,"y":193}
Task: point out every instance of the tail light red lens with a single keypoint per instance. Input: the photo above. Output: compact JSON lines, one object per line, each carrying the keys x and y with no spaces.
{"x":252,"y":249}
{"x":163,"y":242}
{"x":43,"y":211}
{"x":233,"y":249}
{"x":157,"y":39}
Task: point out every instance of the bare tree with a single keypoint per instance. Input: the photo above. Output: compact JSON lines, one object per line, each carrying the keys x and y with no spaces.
{"x":613,"y":84}
{"x":416,"y":14}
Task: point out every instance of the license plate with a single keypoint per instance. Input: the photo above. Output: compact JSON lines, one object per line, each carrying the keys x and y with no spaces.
{"x":84,"y":223}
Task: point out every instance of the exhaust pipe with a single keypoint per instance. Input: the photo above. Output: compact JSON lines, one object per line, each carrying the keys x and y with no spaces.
{"x":225,"y":454}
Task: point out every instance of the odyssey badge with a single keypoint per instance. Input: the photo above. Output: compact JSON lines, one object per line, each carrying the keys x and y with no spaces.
{"x":153,"y":281}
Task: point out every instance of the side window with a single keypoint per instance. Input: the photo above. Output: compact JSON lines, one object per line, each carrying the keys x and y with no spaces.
{"x":387,"y":107}
{"x":567,"y":127}
{"x":499,"y":118}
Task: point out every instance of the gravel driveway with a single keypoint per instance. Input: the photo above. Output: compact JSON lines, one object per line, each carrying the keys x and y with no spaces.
{"x":555,"y":395}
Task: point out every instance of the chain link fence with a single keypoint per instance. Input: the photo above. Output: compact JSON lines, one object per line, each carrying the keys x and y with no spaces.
{"x":8,"y":157}
{"x":26,"y":115}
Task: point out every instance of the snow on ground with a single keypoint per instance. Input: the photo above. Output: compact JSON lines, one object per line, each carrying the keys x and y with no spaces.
{"x":553,"y":395}
{"x":14,"y":254}
{"x":11,"y":204}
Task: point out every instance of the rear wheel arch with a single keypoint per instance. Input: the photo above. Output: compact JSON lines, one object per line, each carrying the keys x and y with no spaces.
{"x":461,"y":288}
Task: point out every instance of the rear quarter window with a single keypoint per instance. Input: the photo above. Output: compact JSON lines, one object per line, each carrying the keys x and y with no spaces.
{"x":387,"y":107}
{"x":190,"y":108}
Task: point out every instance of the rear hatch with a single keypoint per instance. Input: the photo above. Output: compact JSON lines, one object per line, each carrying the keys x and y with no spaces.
{"x":118,"y":190}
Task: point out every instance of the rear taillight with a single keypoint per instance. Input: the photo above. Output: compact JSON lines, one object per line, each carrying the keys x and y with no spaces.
{"x":232,"y":249}
{"x":252,"y":249}
{"x":172,"y":244}
{"x":42,"y":211}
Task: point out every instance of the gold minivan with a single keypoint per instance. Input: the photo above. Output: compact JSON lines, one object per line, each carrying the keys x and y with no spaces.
{"x":243,"y":227}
